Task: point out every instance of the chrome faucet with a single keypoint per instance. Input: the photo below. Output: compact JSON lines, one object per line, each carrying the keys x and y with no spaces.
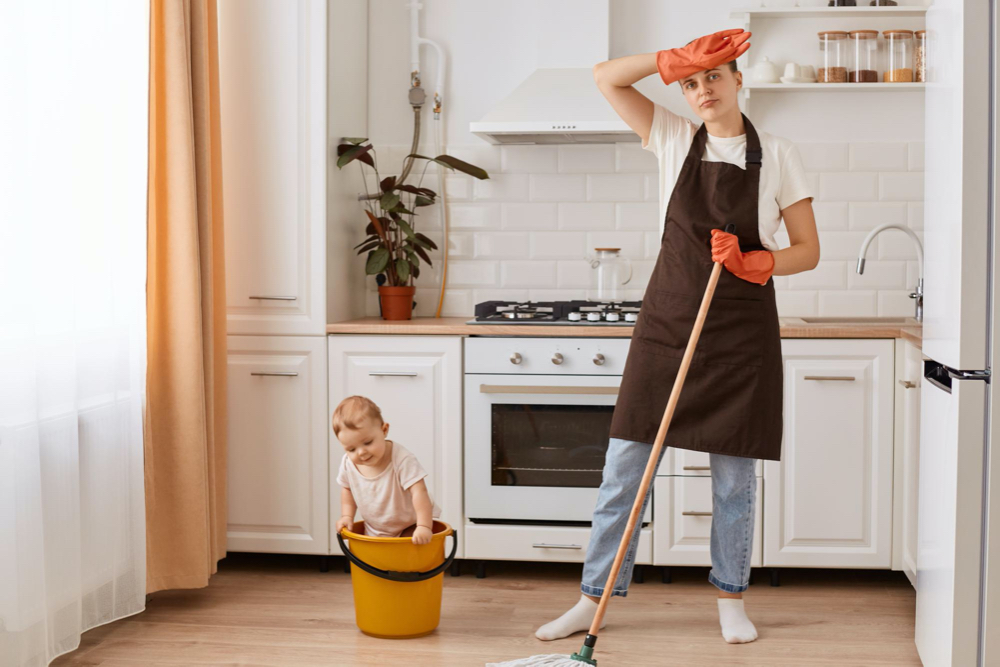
{"x":919,"y":293}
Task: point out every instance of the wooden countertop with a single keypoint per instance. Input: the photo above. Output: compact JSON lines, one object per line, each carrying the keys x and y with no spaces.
{"x":791,"y":327}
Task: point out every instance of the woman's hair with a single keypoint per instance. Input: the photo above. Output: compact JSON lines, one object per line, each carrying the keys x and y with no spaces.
{"x":352,"y":411}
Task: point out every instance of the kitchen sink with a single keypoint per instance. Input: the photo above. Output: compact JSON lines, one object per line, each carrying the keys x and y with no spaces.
{"x":858,"y":320}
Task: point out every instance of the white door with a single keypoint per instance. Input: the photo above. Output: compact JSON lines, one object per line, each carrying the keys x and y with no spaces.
{"x":828,"y":502}
{"x":417,"y":383}
{"x":957,"y":231}
{"x":277,"y":490}
{"x":272,"y":79}
{"x":908,"y":459}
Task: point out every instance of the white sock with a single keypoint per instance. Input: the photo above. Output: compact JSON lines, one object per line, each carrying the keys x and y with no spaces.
{"x":576,"y":619}
{"x":736,"y":627}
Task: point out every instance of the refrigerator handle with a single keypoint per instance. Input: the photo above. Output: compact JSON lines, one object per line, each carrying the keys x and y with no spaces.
{"x":937,"y":374}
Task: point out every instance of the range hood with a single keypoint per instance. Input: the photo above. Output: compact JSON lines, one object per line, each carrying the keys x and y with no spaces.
{"x":559,"y":103}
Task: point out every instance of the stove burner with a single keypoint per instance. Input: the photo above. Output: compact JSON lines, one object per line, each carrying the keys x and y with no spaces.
{"x":621,"y":313}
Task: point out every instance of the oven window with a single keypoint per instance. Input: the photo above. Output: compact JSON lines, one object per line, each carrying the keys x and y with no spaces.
{"x":549,"y":445}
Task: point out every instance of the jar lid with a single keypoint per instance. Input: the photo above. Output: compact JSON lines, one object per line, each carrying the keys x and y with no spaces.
{"x":833,"y":34}
{"x":920,"y":33}
{"x":898,"y":33}
{"x":863,"y":34}
{"x":610,"y":249}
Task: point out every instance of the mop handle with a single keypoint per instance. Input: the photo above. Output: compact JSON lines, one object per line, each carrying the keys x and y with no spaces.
{"x":654,"y":455}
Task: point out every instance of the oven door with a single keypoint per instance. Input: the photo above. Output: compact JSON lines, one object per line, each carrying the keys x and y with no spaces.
{"x":535,"y":445}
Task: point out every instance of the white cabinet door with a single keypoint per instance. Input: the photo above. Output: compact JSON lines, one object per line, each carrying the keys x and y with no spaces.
{"x":417,"y":383}
{"x":564,"y":544}
{"x":272,"y":73}
{"x":828,"y":502}
{"x":689,"y":462}
{"x":277,"y":490}
{"x":683,"y":510}
{"x":906,"y":472}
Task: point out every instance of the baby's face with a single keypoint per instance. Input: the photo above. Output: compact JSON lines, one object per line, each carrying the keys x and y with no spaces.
{"x":365,"y":444}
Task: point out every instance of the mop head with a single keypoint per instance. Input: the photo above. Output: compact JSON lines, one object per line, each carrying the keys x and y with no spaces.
{"x":550,"y":660}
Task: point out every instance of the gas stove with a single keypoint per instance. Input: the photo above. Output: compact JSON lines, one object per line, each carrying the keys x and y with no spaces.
{"x":600,"y":313}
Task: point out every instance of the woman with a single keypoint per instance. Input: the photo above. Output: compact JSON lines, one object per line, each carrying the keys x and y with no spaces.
{"x":724,"y":171}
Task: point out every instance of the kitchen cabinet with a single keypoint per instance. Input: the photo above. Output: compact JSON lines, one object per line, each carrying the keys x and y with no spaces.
{"x":828,"y":502}
{"x":417,"y":383}
{"x":689,"y":462}
{"x":278,"y":447}
{"x":540,"y":543}
{"x":906,"y":469}
{"x":272,"y":65}
{"x":682,"y":506}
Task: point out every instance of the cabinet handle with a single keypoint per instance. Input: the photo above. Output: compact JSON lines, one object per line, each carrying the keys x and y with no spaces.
{"x":409,"y":374}
{"x":697,"y":467}
{"x":908,"y":384}
{"x":842,"y":378}
{"x":543,"y":545}
{"x":283,"y":375}
{"x":274,"y":298}
{"x":537,"y":389}
{"x":696,"y":514}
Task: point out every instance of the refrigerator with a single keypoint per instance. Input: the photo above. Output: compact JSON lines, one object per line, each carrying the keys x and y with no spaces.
{"x":958,"y":526}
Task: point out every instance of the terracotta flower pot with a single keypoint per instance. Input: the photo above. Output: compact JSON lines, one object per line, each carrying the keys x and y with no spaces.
{"x":397,"y":302}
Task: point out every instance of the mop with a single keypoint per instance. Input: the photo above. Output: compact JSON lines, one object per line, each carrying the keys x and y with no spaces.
{"x":586,"y":653}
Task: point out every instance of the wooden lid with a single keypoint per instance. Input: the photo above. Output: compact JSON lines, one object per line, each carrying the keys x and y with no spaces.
{"x":919,"y":33}
{"x":833,"y":34}
{"x":863,"y":34}
{"x":898,"y":33}
{"x":611,"y":249}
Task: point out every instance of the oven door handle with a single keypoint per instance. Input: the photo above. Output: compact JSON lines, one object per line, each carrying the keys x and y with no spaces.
{"x":545,"y":389}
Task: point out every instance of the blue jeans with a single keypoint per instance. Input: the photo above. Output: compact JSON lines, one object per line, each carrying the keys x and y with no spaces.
{"x":734,"y":491}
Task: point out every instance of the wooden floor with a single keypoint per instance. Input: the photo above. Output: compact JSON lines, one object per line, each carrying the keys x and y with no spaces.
{"x":280,"y":610}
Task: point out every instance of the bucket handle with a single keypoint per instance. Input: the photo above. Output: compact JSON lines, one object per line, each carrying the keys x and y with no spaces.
{"x":393,"y":575}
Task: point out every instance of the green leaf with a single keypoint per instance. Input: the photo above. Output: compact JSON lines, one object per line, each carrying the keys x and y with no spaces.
{"x":389,"y":201}
{"x":371,"y":238}
{"x":406,"y":228}
{"x":403,"y":269}
{"x":422,"y":201}
{"x":387,"y":183}
{"x":412,"y":256}
{"x":369,"y":246}
{"x":355,"y":140}
{"x":423,"y":253}
{"x":414,"y":190}
{"x":355,"y":153}
{"x":416,"y":271}
{"x":455,"y":163}
{"x":377,"y":261}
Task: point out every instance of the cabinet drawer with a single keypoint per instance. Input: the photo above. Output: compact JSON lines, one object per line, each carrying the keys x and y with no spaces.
{"x":683,"y":511}
{"x":539,"y":543}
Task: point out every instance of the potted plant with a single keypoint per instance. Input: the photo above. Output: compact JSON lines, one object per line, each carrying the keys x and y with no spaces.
{"x":395,"y":249}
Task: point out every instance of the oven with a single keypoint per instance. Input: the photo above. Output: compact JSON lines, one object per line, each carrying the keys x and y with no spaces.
{"x":537,"y":422}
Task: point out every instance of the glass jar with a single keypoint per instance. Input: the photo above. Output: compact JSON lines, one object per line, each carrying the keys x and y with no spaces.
{"x":920,"y":55}
{"x":898,"y":56}
{"x":833,"y":57}
{"x":864,"y":56}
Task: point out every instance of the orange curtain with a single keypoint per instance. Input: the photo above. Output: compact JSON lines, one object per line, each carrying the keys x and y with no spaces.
{"x":185,"y":419}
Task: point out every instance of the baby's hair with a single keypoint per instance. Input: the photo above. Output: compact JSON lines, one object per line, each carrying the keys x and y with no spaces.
{"x":352,"y":411}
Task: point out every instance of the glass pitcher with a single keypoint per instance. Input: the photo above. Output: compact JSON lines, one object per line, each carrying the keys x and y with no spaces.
{"x":612,"y":273}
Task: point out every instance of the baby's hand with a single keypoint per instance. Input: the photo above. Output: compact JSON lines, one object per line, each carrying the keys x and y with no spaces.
{"x":345,"y":522}
{"x":422,"y":535}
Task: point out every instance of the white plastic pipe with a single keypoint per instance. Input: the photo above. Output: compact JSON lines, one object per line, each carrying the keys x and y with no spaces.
{"x":416,"y":40}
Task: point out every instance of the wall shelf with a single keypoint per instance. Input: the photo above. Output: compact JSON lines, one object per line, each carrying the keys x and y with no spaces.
{"x":828,"y":12}
{"x":835,"y":87}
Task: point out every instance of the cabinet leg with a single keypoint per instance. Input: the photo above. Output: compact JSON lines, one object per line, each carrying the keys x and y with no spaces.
{"x":638,"y":575}
{"x":455,"y":570}
{"x":774,"y":577}
{"x":481,"y":569}
{"x":324,"y":563}
{"x":665,"y":574}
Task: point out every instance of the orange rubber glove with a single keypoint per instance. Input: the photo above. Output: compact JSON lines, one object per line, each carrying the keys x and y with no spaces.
{"x":755,"y":266}
{"x":703,"y":53}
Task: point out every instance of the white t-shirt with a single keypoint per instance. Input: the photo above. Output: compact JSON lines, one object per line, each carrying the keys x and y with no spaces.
{"x":384,"y":500}
{"x":782,"y":179}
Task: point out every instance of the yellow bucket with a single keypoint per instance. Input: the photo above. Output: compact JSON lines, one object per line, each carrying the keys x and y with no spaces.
{"x":397,"y":584}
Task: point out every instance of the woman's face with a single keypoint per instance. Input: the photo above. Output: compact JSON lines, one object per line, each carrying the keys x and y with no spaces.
{"x":712,"y":92}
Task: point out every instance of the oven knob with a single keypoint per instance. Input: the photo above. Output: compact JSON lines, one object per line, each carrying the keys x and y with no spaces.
{"x":593,"y":317}
{"x":515,"y":358}
{"x":631,"y":317}
{"x":611,"y":317}
{"x":574,"y":316}
{"x":557,"y":358}
{"x":599,"y":359}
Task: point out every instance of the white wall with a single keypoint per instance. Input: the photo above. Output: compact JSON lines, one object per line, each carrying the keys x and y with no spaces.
{"x":522,"y":233}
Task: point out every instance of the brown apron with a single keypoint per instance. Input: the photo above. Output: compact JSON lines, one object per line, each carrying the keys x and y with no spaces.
{"x":731,"y":402}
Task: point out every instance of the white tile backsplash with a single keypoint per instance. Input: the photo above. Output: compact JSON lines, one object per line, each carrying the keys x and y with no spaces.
{"x":523,"y":233}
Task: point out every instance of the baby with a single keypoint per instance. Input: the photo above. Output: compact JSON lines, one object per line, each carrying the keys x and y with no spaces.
{"x":379,"y":476}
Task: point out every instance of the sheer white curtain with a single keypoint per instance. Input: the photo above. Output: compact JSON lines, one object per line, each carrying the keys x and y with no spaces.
{"x":73,"y":147}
